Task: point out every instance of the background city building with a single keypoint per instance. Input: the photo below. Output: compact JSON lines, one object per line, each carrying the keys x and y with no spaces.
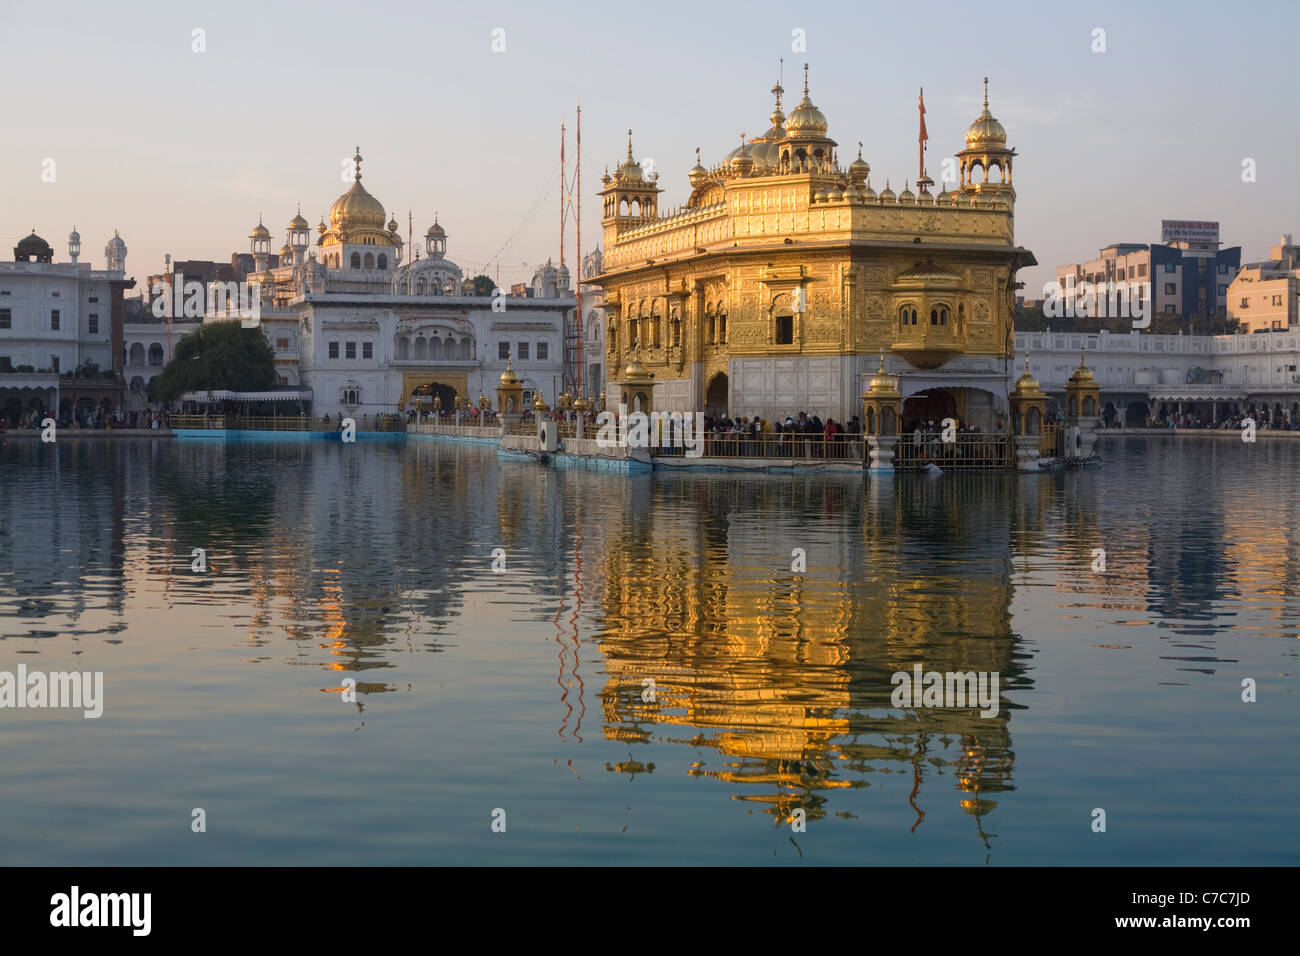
{"x":1264,"y":294}
{"x":1188,"y":277}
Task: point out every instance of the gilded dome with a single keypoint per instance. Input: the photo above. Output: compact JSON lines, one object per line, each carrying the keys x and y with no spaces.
{"x":392,"y":224}
{"x":357,"y":208}
{"x":887,"y":194}
{"x":297,"y":223}
{"x":986,"y":131}
{"x":1027,"y":384}
{"x":630,"y":170}
{"x":260,"y":231}
{"x":286,"y":252}
{"x":698,"y":173}
{"x":742,"y":164}
{"x":436,"y":231}
{"x":1082,"y":373}
{"x":635,"y":370}
{"x":859,"y":169}
{"x":869,"y":194}
{"x":907,"y":196}
{"x":508,"y":377}
{"x":882,"y":381}
{"x":806,"y":120}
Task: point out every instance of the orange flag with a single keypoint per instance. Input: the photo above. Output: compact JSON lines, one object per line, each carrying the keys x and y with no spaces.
{"x":924,"y":135}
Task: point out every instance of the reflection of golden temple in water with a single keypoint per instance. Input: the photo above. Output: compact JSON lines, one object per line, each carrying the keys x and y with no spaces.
{"x":786,"y":675}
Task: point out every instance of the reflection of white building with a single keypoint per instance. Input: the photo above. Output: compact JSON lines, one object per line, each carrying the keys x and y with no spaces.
{"x":57,"y":318}
{"x":370,"y":334}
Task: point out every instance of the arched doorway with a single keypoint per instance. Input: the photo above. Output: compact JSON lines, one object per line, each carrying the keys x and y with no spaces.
{"x":422,"y":396}
{"x":1135,"y":414}
{"x":933,"y":405}
{"x":716,"y":398}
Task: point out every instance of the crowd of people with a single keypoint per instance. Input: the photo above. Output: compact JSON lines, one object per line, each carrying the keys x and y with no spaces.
{"x":102,"y":418}
{"x":798,"y":436}
{"x":1235,"y":421}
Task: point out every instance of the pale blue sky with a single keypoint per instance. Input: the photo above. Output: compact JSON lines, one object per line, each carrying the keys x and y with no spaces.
{"x":181,"y":151}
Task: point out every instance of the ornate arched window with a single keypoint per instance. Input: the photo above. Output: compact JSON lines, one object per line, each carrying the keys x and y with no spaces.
{"x":383,"y":261}
{"x":435,"y":348}
{"x":420,"y":347}
{"x":356,"y":260}
{"x":370,"y":261}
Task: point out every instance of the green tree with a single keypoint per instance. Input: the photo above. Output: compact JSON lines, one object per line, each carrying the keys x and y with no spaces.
{"x":218,"y":355}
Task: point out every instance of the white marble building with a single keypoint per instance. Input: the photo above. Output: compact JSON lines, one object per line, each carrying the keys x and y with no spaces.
{"x":56,"y":318}
{"x":369,"y":334}
{"x":1139,"y":372}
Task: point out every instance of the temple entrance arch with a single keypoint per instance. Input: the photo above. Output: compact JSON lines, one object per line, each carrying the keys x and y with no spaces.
{"x":445,"y":385}
{"x":1135,"y":414}
{"x":717,"y":396}
{"x":422,"y":396}
{"x":932,"y":405}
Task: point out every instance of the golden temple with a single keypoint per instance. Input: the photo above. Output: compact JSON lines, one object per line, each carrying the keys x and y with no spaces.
{"x":785,"y":274}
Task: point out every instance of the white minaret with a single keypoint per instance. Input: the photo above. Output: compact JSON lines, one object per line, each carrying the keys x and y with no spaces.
{"x":299,"y":237}
{"x":259,"y":244}
{"x":74,"y":245}
{"x":115,"y":254}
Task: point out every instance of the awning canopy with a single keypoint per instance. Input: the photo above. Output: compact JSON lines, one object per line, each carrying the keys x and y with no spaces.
{"x":222,"y":395}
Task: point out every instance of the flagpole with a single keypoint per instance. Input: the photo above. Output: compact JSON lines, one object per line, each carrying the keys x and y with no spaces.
{"x":578,"y":283}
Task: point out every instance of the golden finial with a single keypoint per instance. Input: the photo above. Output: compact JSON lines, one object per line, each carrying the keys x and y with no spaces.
{"x":882,"y":363}
{"x":697,"y":156}
{"x":859,"y":149}
{"x":357,"y":159}
{"x":1026,"y":361}
{"x":805,"y":79}
{"x":629,"y":146}
{"x":986,"y":92}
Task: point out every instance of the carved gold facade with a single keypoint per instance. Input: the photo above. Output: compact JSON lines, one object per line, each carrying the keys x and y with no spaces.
{"x":784,"y":263}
